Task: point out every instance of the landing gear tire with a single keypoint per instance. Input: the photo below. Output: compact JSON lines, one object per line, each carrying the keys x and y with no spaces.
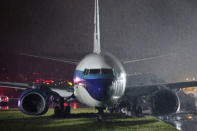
{"x":99,"y":116}
{"x":61,"y":112}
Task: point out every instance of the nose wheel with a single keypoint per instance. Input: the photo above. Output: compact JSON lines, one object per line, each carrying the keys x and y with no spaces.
{"x":99,"y":116}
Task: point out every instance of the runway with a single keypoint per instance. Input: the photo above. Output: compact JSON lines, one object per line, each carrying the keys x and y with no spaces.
{"x":182,"y":121}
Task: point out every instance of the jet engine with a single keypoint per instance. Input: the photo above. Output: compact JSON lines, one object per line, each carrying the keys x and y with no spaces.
{"x":164,"y":101}
{"x":34,"y":102}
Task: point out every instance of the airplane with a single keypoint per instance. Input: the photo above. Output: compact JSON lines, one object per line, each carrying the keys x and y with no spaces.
{"x":99,"y":82}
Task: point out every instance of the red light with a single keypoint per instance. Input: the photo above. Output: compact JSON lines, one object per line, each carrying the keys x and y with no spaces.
{"x":48,"y":81}
{"x":37,"y":81}
{"x":74,"y":105}
{"x":45,"y":81}
{"x":65,"y":104}
{"x":5,"y":99}
{"x":4,"y":107}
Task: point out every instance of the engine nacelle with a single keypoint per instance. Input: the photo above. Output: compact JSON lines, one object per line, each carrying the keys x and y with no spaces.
{"x":34,"y":102}
{"x":164,"y":102}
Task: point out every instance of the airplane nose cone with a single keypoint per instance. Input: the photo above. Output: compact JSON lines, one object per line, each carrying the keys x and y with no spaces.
{"x":99,"y":89}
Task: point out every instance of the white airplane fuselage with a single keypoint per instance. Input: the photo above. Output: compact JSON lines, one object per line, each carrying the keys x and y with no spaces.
{"x":99,"y":80}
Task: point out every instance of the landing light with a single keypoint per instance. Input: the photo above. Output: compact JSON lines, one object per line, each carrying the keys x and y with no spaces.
{"x":77,"y":80}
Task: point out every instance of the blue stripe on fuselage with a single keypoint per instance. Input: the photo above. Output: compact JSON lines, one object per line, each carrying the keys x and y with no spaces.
{"x":97,"y":85}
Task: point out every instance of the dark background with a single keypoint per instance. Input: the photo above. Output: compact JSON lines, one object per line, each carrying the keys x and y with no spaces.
{"x":130,"y":29}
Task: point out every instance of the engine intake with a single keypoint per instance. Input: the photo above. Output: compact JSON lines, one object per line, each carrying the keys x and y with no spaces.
{"x":164,"y":102}
{"x":34,"y":102}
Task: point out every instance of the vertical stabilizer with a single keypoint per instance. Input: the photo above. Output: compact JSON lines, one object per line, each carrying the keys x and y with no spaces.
{"x":97,"y":46}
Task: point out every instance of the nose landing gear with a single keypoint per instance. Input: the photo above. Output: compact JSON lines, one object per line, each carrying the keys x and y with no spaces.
{"x":99,"y":116}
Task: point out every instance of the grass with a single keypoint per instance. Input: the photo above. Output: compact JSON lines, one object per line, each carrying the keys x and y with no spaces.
{"x":80,"y":121}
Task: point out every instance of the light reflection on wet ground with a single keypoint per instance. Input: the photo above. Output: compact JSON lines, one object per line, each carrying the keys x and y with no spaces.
{"x":182,"y":121}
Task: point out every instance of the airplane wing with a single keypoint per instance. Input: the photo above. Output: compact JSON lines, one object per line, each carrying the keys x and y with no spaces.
{"x":61,"y":91}
{"x":147,"y":58}
{"x":179,"y":85}
{"x":176,"y":85}
{"x":147,"y":89}
{"x":75,"y":62}
{"x":15,"y":85}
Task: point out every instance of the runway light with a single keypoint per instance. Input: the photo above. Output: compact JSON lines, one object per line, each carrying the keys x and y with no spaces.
{"x":189,"y":117}
{"x":4,"y":107}
{"x":65,"y":104}
{"x":74,"y":105}
{"x":5,"y":99}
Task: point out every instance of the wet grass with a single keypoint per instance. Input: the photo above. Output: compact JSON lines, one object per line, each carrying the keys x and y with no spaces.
{"x":81,"y":120}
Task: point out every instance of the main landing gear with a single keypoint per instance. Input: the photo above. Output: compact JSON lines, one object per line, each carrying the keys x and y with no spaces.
{"x":137,"y":110}
{"x":60,"y":110}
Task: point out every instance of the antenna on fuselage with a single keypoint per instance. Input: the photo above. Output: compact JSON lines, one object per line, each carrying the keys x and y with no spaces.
{"x":97,"y":45}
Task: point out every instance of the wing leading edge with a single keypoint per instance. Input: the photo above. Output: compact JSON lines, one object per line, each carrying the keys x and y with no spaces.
{"x":15,"y":85}
{"x":75,"y":62}
{"x":61,"y":91}
{"x":135,"y":91}
{"x":176,"y":85}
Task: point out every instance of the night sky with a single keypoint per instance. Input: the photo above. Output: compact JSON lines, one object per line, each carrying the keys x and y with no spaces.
{"x":130,"y":29}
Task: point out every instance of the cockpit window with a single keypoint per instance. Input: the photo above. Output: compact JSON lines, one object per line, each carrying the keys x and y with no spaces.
{"x":94,"y":71}
{"x":107,"y":71}
{"x":86,"y":71}
{"x":98,"y":71}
